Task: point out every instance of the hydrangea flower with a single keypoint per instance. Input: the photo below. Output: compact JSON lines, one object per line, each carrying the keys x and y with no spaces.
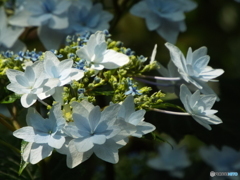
{"x":97,"y":55}
{"x":49,"y":15}
{"x":172,"y":160}
{"x":42,"y":134}
{"x":225,"y":160}
{"x":199,"y":107}
{"x":165,"y":17}
{"x":132,"y":89}
{"x":31,"y":84}
{"x":84,"y":16}
{"x":9,"y":34}
{"x":134,"y":119}
{"x":93,"y":131}
{"x":194,"y":69}
{"x":62,"y":70}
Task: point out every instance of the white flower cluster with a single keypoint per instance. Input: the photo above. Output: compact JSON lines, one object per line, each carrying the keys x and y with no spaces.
{"x":194,"y":72}
{"x":92,"y":131}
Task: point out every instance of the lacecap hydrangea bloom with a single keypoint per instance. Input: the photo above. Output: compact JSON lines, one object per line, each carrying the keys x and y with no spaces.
{"x":61,"y":18}
{"x":199,"y":106}
{"x":42,"y":135}
{"x":41,"y":79}
{"x":194,"y":68}
{"x":9,"y":34}
{"x":97,"y":55}
{"x":31,"y":84}
{"x":50,"y":16}
{"x":173,"y":160}
{"x":225,"y":160}
{"x":84,"y":16}
{"x":165,"y":17}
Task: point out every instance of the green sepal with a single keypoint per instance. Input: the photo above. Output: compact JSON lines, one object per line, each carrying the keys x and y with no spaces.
{"x":10,"y":99}
{"x":23,"y":164}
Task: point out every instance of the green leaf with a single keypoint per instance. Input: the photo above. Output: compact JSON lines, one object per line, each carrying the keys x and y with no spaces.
{"x":10,"y":99}
{"x":156,"y":137}
{"x":23,"y":164}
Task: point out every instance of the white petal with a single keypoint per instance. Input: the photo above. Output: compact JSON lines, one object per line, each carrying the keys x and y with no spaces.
{"x":98,"y":139}
{"x":94,"y":117}
{"x":28,"y":99}
{"x":83,"y":144}
{"x":113,"y":59}
{"x":39,"y":152}
{"x":74,"y":157}
{"x":25,"y":133}
{"x":56,"y":141}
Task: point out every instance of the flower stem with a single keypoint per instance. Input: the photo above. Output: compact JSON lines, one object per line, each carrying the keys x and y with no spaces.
{"x":45,"y":104}
{"x":161,"y":78}
{"x":153,"y":83}
{"x":170,"y":112}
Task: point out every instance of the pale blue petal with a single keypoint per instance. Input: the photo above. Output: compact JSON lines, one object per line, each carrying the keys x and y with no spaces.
{"x":153,"y":21}
{"x":98,"y":51}
{"x":174,"y":16}
{"x":56,"y":141}
{"x":50,"y":38}
{"x":169,"y":31}
{"x":18,"y":89}
{"x":177,"y":57}
{"x":211,"y":74}
{"x":194,"y":98}
{"x":62,"y":7}
{"x":83,"y":108}
{"x":3,"y":18}
{"x":12,"y":73}
{"x":25,"y":133}
{"x":83,"y":144}
{"x":29,"y":74}
{"x":109,"y":113}
{"x":98,"y":139}
{"x":74,"y":157}
{"x":58,"y":94}
{"x":97,"y":67}
{"x":23,"y":81}
{"x":58,"y":22}
{"x":200,"y":64}
{"x":136,"y":117}
{"x":113,"y":59}
{"x":41,"y":137}
{"x":129,"y":108}
{"x":76,"y":74}
{"x":82,"y":123}
{"x":94,"y":117}
{"x":209,"y":100}
{"x":38,"y":69}
{"x":202,"y":51}
{"x":65,"y":64}
{"x":72,"y":131}
{"x":39,"y":20}
{"x":107,"y":152}
{"x":39,"y":152}
{"x":140,"y":9}
{"x":28,"y":99}
{"x":143,"y":128}
{"x":20,"y":19}
{"x":83,"y":53}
